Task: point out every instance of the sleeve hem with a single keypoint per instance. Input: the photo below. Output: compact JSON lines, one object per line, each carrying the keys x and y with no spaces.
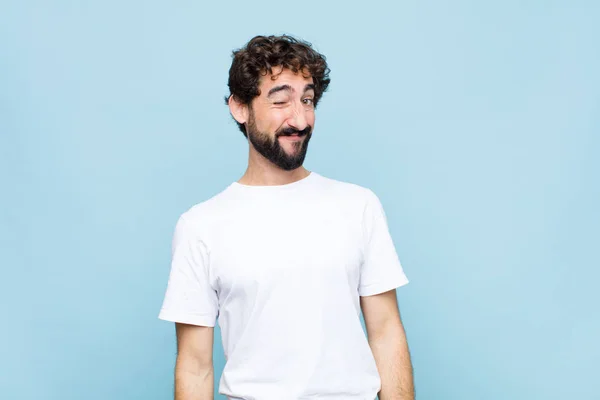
{"x":199,"y":320}
{"x":378,"y":288}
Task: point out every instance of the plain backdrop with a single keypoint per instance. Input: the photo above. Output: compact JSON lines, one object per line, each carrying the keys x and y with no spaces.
{"x":477,"y":123}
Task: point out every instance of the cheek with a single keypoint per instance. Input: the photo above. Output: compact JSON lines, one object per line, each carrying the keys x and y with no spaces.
{"x":269,"y":121}
{"x":310,"y":118}
{"x":276,"y":119}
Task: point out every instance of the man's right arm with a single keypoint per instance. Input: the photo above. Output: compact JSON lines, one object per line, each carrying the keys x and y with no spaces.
{"x":194,"y":373}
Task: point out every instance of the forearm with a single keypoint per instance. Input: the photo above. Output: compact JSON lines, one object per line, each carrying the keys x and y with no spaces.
{"x":390,"y":349}
{"x":193,"y":382}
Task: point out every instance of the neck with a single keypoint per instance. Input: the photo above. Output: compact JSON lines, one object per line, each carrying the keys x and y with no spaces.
{"x":262,"y":172}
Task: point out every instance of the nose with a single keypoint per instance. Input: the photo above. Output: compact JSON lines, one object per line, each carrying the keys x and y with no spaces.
{"x":297,"y":119}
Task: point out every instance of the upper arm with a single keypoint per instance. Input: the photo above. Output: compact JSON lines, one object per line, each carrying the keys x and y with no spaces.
{"x":381,"y":313}
{"x":195,"y":345}
{"x":190,"y":297}
{"x":381,"y":270}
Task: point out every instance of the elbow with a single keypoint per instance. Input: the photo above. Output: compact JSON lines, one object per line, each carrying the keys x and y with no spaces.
{"x":194,"y":365}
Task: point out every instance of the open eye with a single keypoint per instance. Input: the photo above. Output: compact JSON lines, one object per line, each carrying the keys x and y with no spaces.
{"x":309,"y":101}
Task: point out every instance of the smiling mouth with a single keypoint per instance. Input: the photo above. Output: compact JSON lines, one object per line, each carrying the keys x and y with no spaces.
{"x":294,"y":135}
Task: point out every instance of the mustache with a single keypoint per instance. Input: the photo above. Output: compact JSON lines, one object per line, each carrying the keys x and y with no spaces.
{"x":292,"y":131}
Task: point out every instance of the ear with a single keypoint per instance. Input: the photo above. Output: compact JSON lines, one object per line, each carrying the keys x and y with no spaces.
{"x":238,"y":110}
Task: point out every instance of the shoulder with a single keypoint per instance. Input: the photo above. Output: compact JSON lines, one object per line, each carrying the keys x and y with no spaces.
{"x":349,"y":193}
{"x":208,"y":212}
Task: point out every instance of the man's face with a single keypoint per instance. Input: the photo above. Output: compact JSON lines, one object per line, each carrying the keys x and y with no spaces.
{"x":282,"y":117}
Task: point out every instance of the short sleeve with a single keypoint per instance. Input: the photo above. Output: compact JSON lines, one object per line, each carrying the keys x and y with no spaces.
{"x":189,"y":297}
{"x":381,"y":269}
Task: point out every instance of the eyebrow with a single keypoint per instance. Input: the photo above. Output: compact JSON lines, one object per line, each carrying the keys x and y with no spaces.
{"x":288,"y":88}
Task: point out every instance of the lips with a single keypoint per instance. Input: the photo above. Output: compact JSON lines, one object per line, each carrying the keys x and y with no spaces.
{"x":293,"y":135}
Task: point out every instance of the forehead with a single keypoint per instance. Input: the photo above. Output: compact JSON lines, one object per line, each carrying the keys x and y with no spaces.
{"x":284,"y":76}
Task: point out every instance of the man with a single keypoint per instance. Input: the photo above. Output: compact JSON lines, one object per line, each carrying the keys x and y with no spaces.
{"x":285,"y":258}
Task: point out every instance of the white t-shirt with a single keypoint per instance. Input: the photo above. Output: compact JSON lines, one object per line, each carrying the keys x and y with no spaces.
{"x":282,"y":268}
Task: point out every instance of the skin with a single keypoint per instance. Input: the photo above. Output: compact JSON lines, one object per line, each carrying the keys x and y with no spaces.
{"x":194,"y":372}
{"x":388,"y":343}
{"x":270,"y":116}
{"x":292,"y":107}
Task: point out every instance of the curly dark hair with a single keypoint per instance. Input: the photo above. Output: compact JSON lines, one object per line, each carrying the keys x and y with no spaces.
{"x":261,"y":54}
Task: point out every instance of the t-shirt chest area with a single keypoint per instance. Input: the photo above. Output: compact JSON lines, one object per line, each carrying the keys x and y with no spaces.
{"x":286,"y":247}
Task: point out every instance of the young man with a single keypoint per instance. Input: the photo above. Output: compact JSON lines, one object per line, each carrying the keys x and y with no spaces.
{"x":286,"y":258}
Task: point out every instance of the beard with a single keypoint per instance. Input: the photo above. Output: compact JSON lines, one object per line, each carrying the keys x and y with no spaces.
{"x":270,"y":148}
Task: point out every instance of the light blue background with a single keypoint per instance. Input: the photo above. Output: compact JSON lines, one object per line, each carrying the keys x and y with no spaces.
{"x":477,"y":124}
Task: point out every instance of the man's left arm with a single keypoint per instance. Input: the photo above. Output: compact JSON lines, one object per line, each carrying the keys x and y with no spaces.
{"x":388,"y":343}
